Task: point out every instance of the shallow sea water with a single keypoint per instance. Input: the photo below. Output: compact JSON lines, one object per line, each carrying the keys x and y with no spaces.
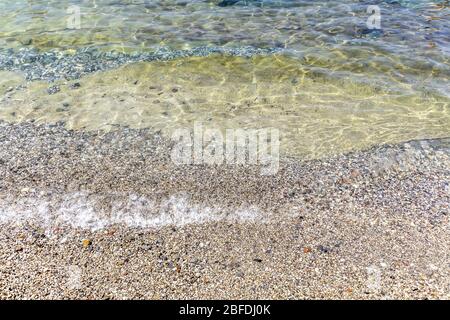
{"x":334,"y":85}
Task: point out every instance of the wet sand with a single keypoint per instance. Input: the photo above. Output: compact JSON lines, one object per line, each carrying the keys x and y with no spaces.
{"x":108,"y":215}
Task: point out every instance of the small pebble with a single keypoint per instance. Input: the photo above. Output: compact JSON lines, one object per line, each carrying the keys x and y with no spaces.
{"x":86,"y":243}
{"x":75,"y":85}
{"x":53,"y":89}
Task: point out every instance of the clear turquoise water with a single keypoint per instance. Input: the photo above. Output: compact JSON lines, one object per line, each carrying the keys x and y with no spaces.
{"x":332,"y":35}
{"x":391,"y":83}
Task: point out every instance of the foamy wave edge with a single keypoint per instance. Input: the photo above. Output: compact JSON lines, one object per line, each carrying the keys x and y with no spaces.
{"x":91,"y":211}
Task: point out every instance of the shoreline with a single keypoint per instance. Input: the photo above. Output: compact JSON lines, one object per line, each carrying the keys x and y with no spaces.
{"x":368,"y":224}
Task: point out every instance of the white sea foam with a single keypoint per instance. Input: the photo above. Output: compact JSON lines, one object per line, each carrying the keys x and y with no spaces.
{"x":93,"y":212}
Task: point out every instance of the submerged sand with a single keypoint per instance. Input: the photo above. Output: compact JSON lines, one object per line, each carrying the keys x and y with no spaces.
{"x":108,"y":215}
{"x":318,"y":113}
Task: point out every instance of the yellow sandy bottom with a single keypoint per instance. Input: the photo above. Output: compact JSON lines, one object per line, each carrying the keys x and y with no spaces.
{"x":317,"y":113}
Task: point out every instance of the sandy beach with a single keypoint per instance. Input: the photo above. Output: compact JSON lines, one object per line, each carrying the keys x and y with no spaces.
{"x":224,"y":149}
{"x":109,"y":216}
